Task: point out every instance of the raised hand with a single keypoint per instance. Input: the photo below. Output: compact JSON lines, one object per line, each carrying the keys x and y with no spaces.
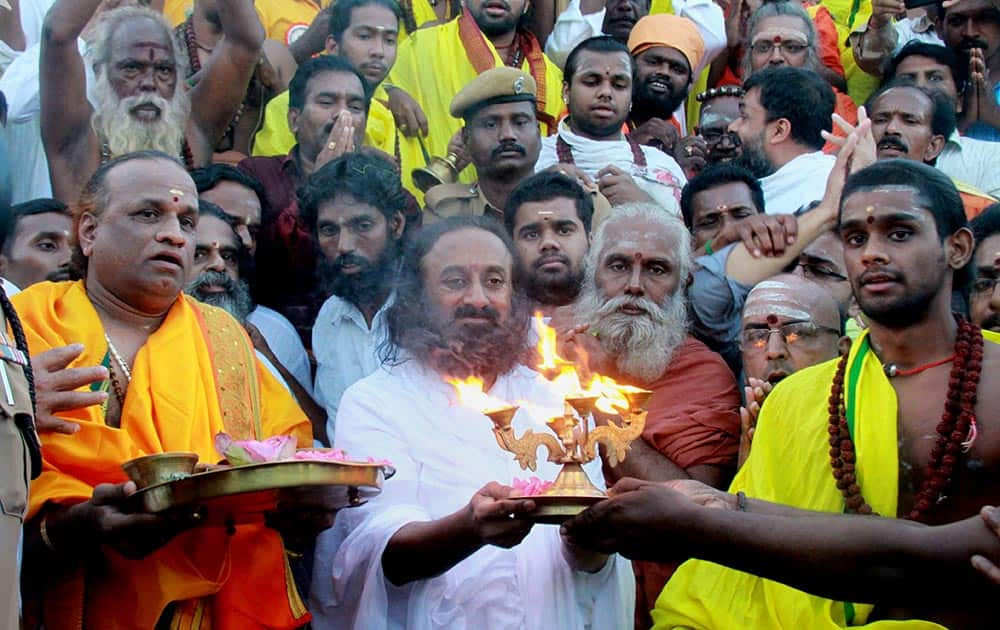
{"x":340,"y":140}
{"x":755,"y":393}
{"x":56,"y":385}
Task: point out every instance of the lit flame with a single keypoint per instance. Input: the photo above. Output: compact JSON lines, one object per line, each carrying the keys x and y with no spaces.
{"x":564,"y":376}
{"x":470,"y":394}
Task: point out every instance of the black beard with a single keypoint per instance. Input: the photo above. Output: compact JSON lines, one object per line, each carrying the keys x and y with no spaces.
{"x":754,"y":161}
{"x":908,"y":309}
{"x":647,"y":104}
{"x":492,"y":27}
{"x":365,"y":286}
{"x":552,"y":289}
{"x":992,"y":322}
{"x":462,"y":350}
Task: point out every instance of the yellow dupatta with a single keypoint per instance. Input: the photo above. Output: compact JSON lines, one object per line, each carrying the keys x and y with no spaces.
{"x":172,"y":404}
{"x":790,"y":464}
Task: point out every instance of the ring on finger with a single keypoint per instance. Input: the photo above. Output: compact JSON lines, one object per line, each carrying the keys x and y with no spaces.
{"x":331,"y":146}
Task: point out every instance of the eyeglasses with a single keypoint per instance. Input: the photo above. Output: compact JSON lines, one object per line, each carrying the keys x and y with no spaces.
{"x":797,"y":334}
{"x":815,"y":271}
{"x":985,"y":286}
{"x":765,"y":47}
{"x":715,"y":136}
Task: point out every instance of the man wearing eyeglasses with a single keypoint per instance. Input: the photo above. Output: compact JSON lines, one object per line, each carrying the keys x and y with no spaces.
{"x":789,"y":323}
{"x":985,"y":303}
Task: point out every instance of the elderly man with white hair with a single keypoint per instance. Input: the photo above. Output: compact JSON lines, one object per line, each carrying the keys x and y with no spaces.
{"x":632,"y":325}
{"x":141,"y":102}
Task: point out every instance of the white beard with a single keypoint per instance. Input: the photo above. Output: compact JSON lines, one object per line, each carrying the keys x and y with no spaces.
{"x":641,"y":344}
{"x":114,"y":123}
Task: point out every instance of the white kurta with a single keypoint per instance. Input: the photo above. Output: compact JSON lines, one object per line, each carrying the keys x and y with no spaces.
{"x":799,"y":182}
{"x":443,"y":454}
{"x":662,"y":178}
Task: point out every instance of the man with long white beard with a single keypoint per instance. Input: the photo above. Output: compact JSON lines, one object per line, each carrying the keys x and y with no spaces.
{"x":633,"y":326}
{"x":139,"y":104}
{"x":440,"y":547}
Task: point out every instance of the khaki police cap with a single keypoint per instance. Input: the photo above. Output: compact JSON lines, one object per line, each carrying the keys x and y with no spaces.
{"x":497,"y":85}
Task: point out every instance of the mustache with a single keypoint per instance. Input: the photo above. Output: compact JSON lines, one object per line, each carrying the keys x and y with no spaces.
{"x":893,"y":142}
{"x":615,"y":304}
{"x":147,"y":98}
{"x":893,"y":276}
{"x":212,"y":279}
{"x":467,"y":310}
{"x":508,"y":146}
{"x":544,"y":260}
{"x":992,"y":322}
{"x":58,"y":275}
{"x":352,"y":260}
{"x":968,"y":43}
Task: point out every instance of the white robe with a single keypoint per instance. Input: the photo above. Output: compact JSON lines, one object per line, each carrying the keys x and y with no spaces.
{"x":662,"y":178}
{"x":443,"y":454}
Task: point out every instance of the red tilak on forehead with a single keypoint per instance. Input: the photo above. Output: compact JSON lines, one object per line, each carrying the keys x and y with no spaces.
{"x":638,"y":256}
{"x":772,"y":319}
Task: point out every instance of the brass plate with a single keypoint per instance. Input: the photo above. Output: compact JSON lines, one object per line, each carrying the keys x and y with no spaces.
{"x":555,"y":509}
{"x":242,"y":494}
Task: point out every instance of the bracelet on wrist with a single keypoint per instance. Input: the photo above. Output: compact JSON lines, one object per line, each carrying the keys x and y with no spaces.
{"x":44,"y":531}
{"x":741,"y":501}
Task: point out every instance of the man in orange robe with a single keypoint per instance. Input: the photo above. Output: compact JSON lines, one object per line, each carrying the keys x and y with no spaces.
{"x":179,"y":373}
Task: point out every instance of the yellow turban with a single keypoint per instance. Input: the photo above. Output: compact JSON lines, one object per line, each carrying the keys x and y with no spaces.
{"x":665,"y":29}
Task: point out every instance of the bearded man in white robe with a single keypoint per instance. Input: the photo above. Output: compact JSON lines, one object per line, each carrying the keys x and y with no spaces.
{"x":441,"y":547}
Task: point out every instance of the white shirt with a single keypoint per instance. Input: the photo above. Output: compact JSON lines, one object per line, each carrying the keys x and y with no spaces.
{"x":800,"y":181}
{"x":975,"y":162}
{"x":443,"y":454}
{"x":9,"y":287}
{"x":662,"y":178}
{"x":284,"y":342}
{"x":572,"y":27}
{"x":346,"y":351}
{"x":20,"y":84}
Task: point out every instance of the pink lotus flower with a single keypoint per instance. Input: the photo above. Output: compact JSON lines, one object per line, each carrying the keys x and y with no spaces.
{"x":530,"y":487}
{"x":239,"y":452}
{"x":323,"y":455}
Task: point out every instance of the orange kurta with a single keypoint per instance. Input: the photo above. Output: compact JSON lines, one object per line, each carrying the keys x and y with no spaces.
{"x":172,"y":404}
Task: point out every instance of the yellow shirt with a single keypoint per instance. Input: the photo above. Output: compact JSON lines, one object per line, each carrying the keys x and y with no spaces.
{"x":275,"y":138}
{"x":432,"y":66}
{"x":283,"y":20}
{"x":790,"y":464}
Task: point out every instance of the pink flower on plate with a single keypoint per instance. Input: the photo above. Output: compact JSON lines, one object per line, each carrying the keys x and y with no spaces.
{"x":530,"y":487}
{"x":239,"y":452}
{"x":322,"y":455}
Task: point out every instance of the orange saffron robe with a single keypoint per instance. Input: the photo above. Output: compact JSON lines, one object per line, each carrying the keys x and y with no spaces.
{"x":219,"y":580}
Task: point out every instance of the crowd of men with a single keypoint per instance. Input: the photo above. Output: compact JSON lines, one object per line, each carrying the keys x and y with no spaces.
{"x":308,"y":218}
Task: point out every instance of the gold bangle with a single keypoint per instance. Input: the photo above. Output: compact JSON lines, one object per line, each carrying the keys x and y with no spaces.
{"x":43,"y":530}
{"x":294,"y":555}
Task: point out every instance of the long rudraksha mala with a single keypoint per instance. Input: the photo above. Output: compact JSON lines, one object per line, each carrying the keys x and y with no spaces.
{"x":956,"y":430}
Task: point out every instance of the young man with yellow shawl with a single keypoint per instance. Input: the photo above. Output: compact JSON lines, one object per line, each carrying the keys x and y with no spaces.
{"x":435,"y":63}
{"x":180,"y":373}
{"x":865,"y":433}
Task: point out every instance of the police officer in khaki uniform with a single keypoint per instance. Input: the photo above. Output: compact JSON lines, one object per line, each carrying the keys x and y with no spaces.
{"x":502,"y":139}
{"x":20,"y":453}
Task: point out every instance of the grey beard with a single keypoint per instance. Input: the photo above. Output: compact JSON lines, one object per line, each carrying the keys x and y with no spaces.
{"x":642,"y":345}
{"x":114,"y":123}
{"x":235,"y":299}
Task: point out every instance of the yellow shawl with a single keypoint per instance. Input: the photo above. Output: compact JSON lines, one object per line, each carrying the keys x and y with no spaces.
{"x":790,"y":464}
